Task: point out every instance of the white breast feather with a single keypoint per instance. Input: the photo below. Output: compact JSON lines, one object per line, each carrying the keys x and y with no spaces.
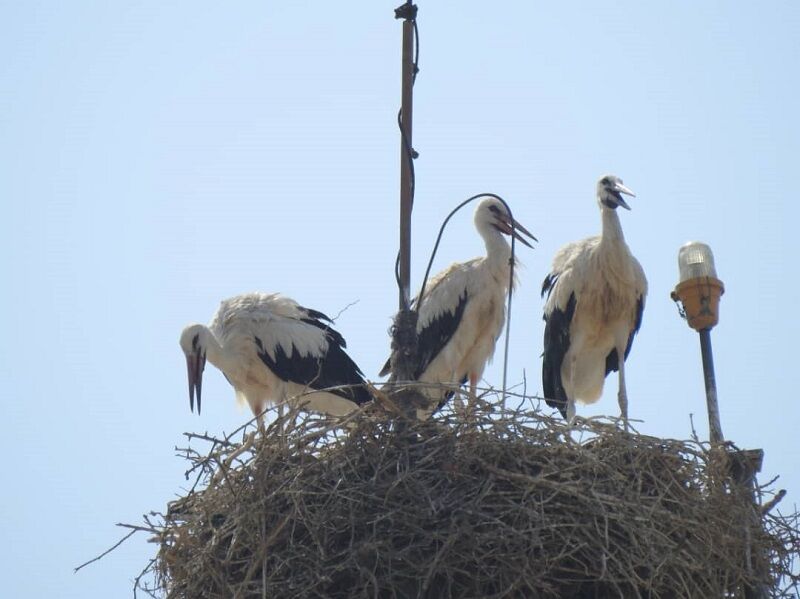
{"x":570,"y":264}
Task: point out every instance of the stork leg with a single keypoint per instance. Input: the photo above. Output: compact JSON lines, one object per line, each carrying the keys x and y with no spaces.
{"x":570,"y":412}
{"x":622,"y":395}
{"x":281,"y":410}
{"x":458,"y":405}
{"x":260,"y":421}
{"x":473,"y":384}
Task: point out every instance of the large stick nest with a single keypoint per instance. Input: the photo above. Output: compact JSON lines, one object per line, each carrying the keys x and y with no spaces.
{"x":507,"y":504}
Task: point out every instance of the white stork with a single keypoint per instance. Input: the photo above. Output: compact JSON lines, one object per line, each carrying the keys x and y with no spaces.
{"x":272,"y":349}
{"x":595,"y":300}
{"x":463,"y":310}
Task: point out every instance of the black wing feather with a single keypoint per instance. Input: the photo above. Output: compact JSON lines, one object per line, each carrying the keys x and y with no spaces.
{"x":315,"y":318}
{"x":556,"y":344}
{"x":612,"y":360}
{"x":316,"y":314}
{"x":329,"y":332}
{"x":432,"y":339}
{"x":437,"y":333}
{"x":334,"y":369}
{"x":548,"y":283}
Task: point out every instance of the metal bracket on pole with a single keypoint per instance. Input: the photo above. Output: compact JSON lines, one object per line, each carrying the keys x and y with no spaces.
{"x":407,"y":11}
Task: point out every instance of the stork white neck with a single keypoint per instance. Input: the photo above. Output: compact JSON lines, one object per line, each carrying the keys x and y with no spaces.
{"x":612,"y":228}
{"x":498,"y":250}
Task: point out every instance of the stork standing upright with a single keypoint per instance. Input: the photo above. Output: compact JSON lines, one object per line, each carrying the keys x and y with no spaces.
{"x":463,"y":310}
{"x":271,"y":349}
{"x":595,"y":300}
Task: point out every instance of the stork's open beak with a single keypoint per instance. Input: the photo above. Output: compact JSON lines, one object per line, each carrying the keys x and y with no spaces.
{"x":195,"y":363}
{"x":509,"y":226}
{"x":620,"y":188}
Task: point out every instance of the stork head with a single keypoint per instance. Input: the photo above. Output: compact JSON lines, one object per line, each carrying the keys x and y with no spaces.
{"x":194,"y":340}
{"x":610,"y":190}
{"x":491,"y":216}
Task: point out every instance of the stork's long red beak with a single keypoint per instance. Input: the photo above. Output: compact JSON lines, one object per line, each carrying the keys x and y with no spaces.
{"x":509,"y":226}
{"x":195,"y":363}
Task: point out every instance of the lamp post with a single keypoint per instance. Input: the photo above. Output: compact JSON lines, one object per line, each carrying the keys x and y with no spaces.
{"x":699,"y":291}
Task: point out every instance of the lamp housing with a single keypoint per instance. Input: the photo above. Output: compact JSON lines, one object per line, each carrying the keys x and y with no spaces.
{"x":699,"y":289}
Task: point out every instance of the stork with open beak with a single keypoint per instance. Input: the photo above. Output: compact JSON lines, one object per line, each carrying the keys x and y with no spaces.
{"x":595,"y":301}
{"x":462,"y":313}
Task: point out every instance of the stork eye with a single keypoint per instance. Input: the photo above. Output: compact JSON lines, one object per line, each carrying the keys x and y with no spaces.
{"x":494,"y":209}
{"x":195,"y":340}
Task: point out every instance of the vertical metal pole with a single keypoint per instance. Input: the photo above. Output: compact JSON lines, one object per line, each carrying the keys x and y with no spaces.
{"x":406,"y":116}
{"x":404,"y":330}
{"x":714,"y":426}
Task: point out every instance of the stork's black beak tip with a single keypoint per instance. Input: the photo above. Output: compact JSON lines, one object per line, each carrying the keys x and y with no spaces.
{"x":524,"y":241}
{"x":519,"y":231}
{"x":195,"y":386}
{"x":194,"y":369}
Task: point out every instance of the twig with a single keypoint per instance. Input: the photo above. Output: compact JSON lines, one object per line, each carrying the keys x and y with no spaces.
{"x":343,"y":310}
{"x":110,"y":549}
{"x":209,"y":438}
{"x":768,"y":507}
{"x":225,"y":464}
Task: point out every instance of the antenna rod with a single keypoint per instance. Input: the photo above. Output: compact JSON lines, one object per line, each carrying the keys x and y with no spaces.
{"x":407,"y":12}
{"x":404,"y":330}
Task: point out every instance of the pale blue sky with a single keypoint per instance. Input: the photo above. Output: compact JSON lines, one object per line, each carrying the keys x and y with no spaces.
{"x":157,"y":157}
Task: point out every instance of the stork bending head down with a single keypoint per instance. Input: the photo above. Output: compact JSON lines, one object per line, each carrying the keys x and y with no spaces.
{"x":463,"y":310}
{"x":271,"y":349}
{"x":595,"y":300}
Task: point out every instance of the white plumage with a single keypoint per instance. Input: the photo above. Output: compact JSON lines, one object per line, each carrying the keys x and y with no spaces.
{"x":596,"y":293}
{"x":462,"y":313}
{"x":271,"y":349}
